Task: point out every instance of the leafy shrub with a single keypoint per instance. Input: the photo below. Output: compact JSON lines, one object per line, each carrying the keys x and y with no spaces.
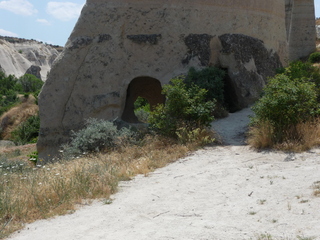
{"x":30,"y":83}
{"x":201,"y":136}
{"x":314,"y":57}
{"x":142,"y":109}
{"x":210,"y":79}
{"x":7,"y":83}
{"x":306,"y":71}
{"x":97,"y":135}
{"x":28,"y":131}
{"x":11,"y":86}
{"x":286,"y":102}
{"x":185,"y":107}
{"x":299,"y":70}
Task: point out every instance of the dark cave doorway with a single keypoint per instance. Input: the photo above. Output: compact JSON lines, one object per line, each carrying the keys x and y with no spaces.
{"x":145,"y":87}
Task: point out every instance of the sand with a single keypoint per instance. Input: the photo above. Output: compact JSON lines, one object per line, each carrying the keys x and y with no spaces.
{"x":220,"y":192}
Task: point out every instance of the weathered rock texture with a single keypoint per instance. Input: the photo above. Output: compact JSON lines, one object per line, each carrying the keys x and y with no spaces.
{"x":17,"y":57}
{"x":121,"y":49}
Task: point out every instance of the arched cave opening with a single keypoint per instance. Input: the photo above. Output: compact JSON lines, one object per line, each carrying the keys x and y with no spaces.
{"x":145,"y":87}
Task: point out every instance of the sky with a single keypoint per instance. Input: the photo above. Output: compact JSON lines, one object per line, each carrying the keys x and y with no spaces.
{"x":46,"y":21}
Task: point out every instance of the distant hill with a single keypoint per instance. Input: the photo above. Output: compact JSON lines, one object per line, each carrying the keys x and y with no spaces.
{"x":18,"y":56}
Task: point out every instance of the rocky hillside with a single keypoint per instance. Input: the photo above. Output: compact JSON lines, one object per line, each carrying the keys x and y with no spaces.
{"x":19,"y":56}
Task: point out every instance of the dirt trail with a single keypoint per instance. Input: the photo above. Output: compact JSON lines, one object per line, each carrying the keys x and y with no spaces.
{"x":222,"y":192}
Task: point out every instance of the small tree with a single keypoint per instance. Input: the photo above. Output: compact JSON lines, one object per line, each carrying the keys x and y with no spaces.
{"x":184,"y":107}
{"x":285,"y":103}
{"x":30,"y":83}
{"x":210,"y":79}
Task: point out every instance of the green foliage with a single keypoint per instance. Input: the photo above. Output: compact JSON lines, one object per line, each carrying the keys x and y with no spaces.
{"x":299,"y":70}
{"x":210,"y":79}
{"x":33,"y":157}
{"x":286,"y":102}
{"x":11,"y":86}
{"x":30,"y":83}
{"x":28,"y":131}
{"x":314,"y":57}
{"x":142,"y":109}
{"x":97,"y":135}
{"x":202,"y":136}
{"x":185,"y":107}
{"x":141,"y":103}
{"x":7,"y":83}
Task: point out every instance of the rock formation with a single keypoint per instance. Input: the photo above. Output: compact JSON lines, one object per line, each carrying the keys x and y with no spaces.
{"x":121,"y":49}
{"x":16,"y":57}
{"x":34,"y":70}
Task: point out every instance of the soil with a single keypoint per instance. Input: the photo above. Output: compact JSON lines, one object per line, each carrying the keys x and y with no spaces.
{"x":220,"y":192}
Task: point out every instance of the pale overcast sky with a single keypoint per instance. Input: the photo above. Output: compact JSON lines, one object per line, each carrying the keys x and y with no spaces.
{"x":46,"y":21}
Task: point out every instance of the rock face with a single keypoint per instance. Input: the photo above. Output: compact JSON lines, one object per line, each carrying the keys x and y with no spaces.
{"x":17,"y":57}
{"x":34,"y":70}
{"x":137,"y":46}
{"x":249,"y":64}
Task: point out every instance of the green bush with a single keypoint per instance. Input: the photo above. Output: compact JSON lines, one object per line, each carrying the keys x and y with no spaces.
{"x":27,"y":132}
{"x":30,"y":83}
{"x":11,"y":86}
{"x":142,"y":109}
{"x":314,"y":57}
{"x":210,"y":79}
{"x":7,"y":83}
{"x":97,"y":135}
{"x":184,"y":107}
{"x":303,"y":70}
{"x":286,"y":102}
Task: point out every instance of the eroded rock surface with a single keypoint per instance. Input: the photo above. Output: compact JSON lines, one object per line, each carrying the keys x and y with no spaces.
{"x":117,"y":42}
{"x":249,"y":65}
{"x":18,"y":57}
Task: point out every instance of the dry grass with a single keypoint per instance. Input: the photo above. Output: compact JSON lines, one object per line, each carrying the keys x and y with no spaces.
{"x":261,"y":136}
{"x":301,"y":137}
{"x":16,"y":115}
{"x":28,"y":193}
{"x":316,"y":189}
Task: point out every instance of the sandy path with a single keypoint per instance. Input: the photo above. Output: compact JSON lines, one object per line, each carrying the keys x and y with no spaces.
{"x":224,"y":192}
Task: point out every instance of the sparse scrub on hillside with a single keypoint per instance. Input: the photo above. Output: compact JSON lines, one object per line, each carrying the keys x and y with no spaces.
{"x":21,"y":95}
{"x":288,"y":110}
{"x":27,"y":131}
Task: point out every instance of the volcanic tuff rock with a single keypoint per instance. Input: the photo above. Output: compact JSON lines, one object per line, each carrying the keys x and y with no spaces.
{"x":17,"y":57}
{"x":121,"y":49}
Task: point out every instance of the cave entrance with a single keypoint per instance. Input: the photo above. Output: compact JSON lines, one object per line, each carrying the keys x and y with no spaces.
{"x":230,"y":94}
{"x":144,"y":87}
